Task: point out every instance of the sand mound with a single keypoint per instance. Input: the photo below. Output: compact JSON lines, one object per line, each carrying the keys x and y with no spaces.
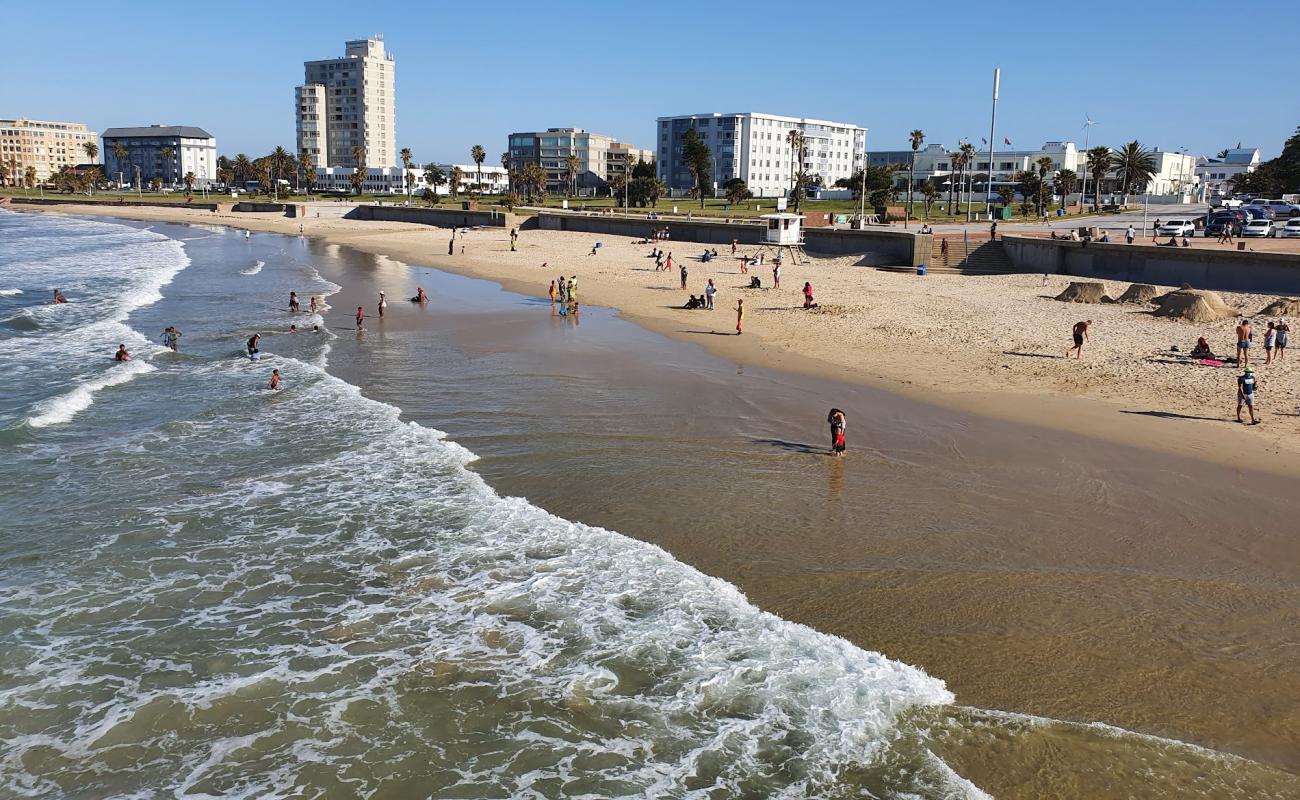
{"x":1194,"y":305}
{"x":1139,"y":293}
{"x":1084,"y":292}
{"x":1285,"y":307}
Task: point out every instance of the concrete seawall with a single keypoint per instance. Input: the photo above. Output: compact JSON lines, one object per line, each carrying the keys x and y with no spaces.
{"x":1219,"y":270}
{"x":438,"y":217}
{"x":877,"y":247}
{"x":58,"y":201}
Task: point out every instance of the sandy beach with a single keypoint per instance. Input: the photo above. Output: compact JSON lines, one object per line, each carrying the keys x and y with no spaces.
{"x":991,"y":345}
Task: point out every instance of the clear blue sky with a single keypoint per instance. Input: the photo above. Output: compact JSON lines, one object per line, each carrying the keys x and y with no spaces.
{"x":1199,"y":75}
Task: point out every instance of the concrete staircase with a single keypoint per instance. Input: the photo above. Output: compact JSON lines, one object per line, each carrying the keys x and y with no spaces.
{"x":969,"y":257}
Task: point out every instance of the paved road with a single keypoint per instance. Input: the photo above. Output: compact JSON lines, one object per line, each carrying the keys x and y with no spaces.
{"x":1116,"y":223}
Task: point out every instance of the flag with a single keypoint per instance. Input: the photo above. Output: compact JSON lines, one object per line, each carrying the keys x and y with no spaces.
{"x":1006,"y":141}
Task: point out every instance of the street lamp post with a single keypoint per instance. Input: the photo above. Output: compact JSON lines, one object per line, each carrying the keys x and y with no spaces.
{"x":993,"y":125}
{"x":862,"y":193}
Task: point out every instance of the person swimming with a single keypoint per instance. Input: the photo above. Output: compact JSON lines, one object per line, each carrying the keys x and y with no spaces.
{"x":275,"y":381}
{"x":420,"y":296}
{"x":121,"y":354}
{"x":59,"y":298}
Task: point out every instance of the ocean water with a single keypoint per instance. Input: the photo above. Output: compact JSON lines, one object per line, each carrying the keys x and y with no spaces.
{"x":208,"y":589}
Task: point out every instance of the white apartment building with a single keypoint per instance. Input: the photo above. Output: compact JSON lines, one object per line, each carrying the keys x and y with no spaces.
{"x":754,"y":147}
{"x":349,"y":102}
{"x":495,"y":179}
{"x":44,"y":146}
{"x":379,"y":180}
{"x":1216,"y":173}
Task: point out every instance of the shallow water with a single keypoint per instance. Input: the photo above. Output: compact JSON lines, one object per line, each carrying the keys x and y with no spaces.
{"x":209,"y":589}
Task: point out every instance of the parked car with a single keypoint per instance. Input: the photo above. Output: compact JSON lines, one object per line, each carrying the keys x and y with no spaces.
{"x":1177,"y":227}
{"x":1258,"y":228}
{"x":1290,"y":230}
{"x":1220,"y":218}
{"x":1282,"y":209}
{"x":1258,"y":212}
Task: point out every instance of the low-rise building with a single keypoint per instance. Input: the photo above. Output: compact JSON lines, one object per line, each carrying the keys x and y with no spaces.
{"x":379,"y":180}
{"x":166,"y":152}
{"x":495,"y":180}
{"x":755,"y":148}
{"x":44,"y":146}
{"x":552,"y":148}
{"x":1216,"y":174}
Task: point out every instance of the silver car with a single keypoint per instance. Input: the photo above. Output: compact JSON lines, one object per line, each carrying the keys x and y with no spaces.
{"x":1290,"y":230}
{"x":1258,"y":228}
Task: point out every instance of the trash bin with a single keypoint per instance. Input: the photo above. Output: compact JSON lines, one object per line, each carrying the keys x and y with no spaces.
{"x":921,"y":270}
{"x":1004,"y":212}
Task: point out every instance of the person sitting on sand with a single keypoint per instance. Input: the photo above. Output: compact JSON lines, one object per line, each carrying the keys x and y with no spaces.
{"x":1202,"y":350}
{"x":121,"y":354}
{"x":1054,"y":237}
{"x":1105,"y":237}
{"x":755,"y":282}
{"x":807,"y":295}
{"x":420,"y":296}
{"x":694,"y":303}
{"x":59,"y":298}
{"x":1186,"y":242}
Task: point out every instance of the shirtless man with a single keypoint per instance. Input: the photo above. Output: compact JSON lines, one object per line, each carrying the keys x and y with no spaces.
{"x":121,"y":354}
{"x":1244,"y":335}
{"x":275,"y":381}
{"x":59,"y":298}
{"x":1080,"y":336}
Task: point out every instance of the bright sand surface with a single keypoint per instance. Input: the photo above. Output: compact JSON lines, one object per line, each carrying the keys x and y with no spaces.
{"x":1176,"y":614}
{"x":990,"y":345}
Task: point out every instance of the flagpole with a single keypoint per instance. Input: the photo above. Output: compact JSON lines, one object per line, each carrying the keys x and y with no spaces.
{"x":993,"y":124}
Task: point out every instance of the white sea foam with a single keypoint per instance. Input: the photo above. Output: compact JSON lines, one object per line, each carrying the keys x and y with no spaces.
{"x":10,"y":292}
{"x":64,"y":407}
{"x":253,"y":270}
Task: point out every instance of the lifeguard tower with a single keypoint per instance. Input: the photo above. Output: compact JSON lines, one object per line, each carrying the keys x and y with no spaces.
{"x":784,"y":230}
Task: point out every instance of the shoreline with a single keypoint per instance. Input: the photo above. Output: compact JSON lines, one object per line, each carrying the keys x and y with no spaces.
{"x":1031,"y":395}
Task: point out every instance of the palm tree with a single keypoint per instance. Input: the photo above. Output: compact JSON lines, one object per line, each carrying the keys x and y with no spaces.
{"x":478,"y":154}
{"x":1044,"y":165}
{"x":967,"y":160}
{"x":359,"y":172}
{"x":405,"y":154}
{"x":955,"y":158}
{"x":279,"y":158}
{"x":91,"y":149}
{"x":1136,"y":166}
{"x":917,"y":137}
{"x":242,"y":169}
{"x":119,"y":153}
{"x":308,"y":169}
{"x":1100,"y":160}
{"x":795,"y":139}
{"x":94,"y":177}
{"x":456,"y":177}
{"x":1066,"y":182}
{"x":189,"y":182}
{"x":571,"y":167}
{"x":505,"y":165}
{"x":29,"y":177}
{"x":167,"y":154}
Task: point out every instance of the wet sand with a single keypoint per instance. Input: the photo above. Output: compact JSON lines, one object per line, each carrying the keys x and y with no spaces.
{"x":1034,"y":570}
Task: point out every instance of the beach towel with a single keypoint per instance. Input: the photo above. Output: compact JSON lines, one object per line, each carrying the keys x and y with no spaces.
{"x":1213,"y":362}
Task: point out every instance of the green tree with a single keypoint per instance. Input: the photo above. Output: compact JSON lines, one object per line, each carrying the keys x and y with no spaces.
{"x":917,"y":138}
{"x":454,"y":181}
{"x":571,"y":167}
{"x":697,"y":160}
{"x":879,"y":183}
{"x":434,"y":177}
{"x":644,"y":169}
{"x":167,"y":154}
{"x":478,"y":154}
{"x":1136,"y":166}
{"x":243,"y":170}
{"x":4,"y":172}
{"x":955,"y":159}
{"x":1066,"y":182}
{"x":29,"y":177}
{"x":359,"y":170}
{"x":1100,"y":160}
{"x":119,"y":153}
{"x":189,"y":182}
{"x":405,"y":155}
{"x":929,"y":192}
{"x":967,"y":160}
{"x":91,"y":149}
{"x":737,"y":191}
{"x":645,"y":190}
{"x":505,"y":165}
{"x":794,"y":138}
{"x":95,"y":178}
{"x":308,"y":167}
{"x":1044,"y":165}
{"x":1275,"y":177}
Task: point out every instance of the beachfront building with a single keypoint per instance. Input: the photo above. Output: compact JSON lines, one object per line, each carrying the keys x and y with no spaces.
{"x":1216,"y":174}
{"x":349,"y":102}
{"x":495,"y":179}
{"x":551,"y":148}
{"x":191,"y":150}
{"x":42,"y":145}
{"x":379,"y":180}
{"x":754,"y":147}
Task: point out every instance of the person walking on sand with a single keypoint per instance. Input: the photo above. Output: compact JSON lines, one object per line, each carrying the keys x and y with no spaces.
{"x":734,"y":242}
{"x":293,"y":302}
{"x":383,"y":304}
{"x":776,"y":274}
{"x":807,"y":295}
{"x":668,"y":266}
{"x":1080,"y":333}
{"x":709,"y":291}
{"x":683,"y":274}
{"x":274,"y":385}
{"x":1283,"y":333}
{"x":1270,"y":341}
{"x":361,"y":317}
{"x":740,"y":316}
{"x":451,"y":245}
{"x":1246,"y":394}
{"x":552,"y":292}
{"x":744,"y":265}
{"x":1155,"y":229}
{"x":1244,"y":335}
{"x":838,"y":422}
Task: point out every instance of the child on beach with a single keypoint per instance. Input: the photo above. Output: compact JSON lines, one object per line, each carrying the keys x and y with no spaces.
{"x":552,"y":291}
{"x":1080,"y":334}
{"x":275,"y":381}
{"x":361,"y":316}
{"x":740,"y":316}
{"x":683,"y":274}
{"x":837,"y":420}
{"x":807,"y":295}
